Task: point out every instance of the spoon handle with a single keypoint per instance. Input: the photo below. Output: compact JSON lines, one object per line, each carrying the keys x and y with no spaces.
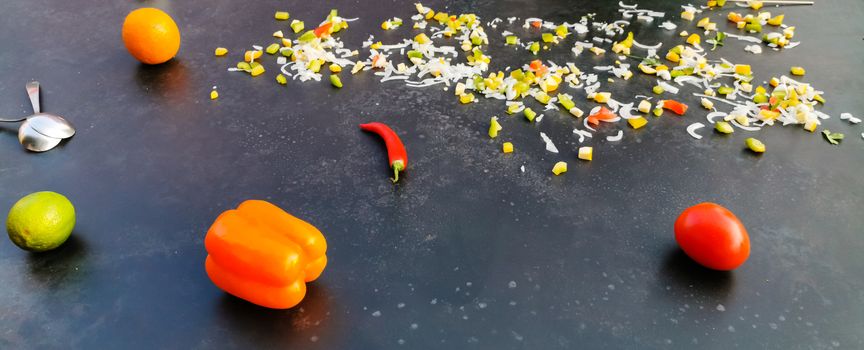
{"x":33,"y":92}
{"x":12,"y":120}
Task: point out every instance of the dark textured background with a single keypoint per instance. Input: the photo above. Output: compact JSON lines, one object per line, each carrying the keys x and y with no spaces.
{"x":592,"y":252}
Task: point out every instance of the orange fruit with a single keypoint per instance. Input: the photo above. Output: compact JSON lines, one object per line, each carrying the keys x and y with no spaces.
{"x":151,"y":36}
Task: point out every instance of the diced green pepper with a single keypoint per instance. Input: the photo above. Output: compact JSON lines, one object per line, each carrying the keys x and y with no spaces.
{"x":415,"y":54}
{"x":548,"y":37}
{"x":725,"y":90}
{"x":723,"y":127}
{"x":529,"y":114}
{"x":281,"y":79}
{"x":308,"y":36}
{"x":534,"y":48}
{"x":334,"y":79}
{"x":511,"y":39}
{"x":755,"y":145}
{"x":272,"y":48}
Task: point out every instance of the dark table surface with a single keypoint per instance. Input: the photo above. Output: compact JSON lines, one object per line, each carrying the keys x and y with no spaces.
{"x":428,"y":263}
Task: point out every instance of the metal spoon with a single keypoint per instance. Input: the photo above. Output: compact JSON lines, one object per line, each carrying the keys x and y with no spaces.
{"x":46,"y":124}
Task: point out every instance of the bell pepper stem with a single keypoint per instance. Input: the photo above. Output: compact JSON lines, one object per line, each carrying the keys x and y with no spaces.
{"x":397,"y":167}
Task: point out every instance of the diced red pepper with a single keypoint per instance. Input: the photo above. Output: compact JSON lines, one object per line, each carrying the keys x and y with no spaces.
{"x":675,"y":106}
{"x":323,"y":29}
{"x":538,"y":67}
{"x":536,"y":24}
{"x":604,"y":115}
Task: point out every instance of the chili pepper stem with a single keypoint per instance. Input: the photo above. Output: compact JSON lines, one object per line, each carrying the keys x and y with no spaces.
{"x":397,"y":167}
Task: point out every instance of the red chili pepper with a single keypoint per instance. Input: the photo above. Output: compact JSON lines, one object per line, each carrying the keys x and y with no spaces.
{"x":323,"y":29}
{"x":604,"y":114}
{"x":675,"y":106}
{"x":395,"y":149}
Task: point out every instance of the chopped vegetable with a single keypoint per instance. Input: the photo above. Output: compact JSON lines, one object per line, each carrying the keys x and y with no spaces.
{"x":281,"y":79}
{"x":281,"y":15}
{"x":249,"y":56}
{"x":694,"y":39}
{"x":707,"y":103}
{"x":755,"y":145}
{"x":833,"y":138}
{"x":257,"y":70}
{"x":657,"y":89}
{"x":602,"y":97}
{"x":776,"y":21}
{"x":723,"y":127}
{"x":466,"y":98}
{"x":529,"y":114}
{"x":297,"y":26}
{"x":494,"y":127}
{"x":335,"y":68}
{"x":637,"y":122}
{"x":334,"y":79}
{"x":586,"y":153}
{"x":214,"y":95}
{"x":221,"y":51}
{"x":797,"y":71}
{"x":603,"y":114}
{"x":534,"y":47}
{"x":511,"y":39}
{"x":507,"y":147}
{"x":548,"y":37}
{"x":674,"y":106}
{"x":272,"y":49}
{"x":644,"y":106}
{"x":559,"y":168}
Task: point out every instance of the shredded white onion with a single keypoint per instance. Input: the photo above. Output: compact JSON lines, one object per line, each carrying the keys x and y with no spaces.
{"x":617,"y":137}
{"x":692,"y":130}
{"x":549,"y":145}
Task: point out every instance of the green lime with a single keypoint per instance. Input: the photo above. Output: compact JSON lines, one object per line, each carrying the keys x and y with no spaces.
{"x":40,"y":221}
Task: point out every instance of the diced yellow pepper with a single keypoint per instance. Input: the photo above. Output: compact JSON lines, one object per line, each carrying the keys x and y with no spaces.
{"x":281,"y":15}
{"x":597,"y":51}
{"x":662,"y":67}
{"x":688,"y":15}
{"x":252,"y":55}
{"x":221,"y":51}
{"x":742,"y":69}
{"x":657,"y":89}
{"x":673,"y":57}
{"x":421,"y":38}
{"x":542,"y":97}
{"x":278,"y":34}
{"x":507,"y":147}
{"x":755,"y":4}
{"x":286,"y":42}
{"x":797,"y":71}
{"x":774,"y":82}
{"x":768,"y":115}
{"x":810,"y":126}
{"x":559,"y":168}
{"x":776,"y":21}
{"x":214,"y":95}
{"x":694,"y":39}
{"x":755,"y":145}
{"x":586,"y":153}
{"x":637,"y":123}
{"x":257,"y":70}
{"x":703,"y":22}
{"x":647,"y":69}
{"x":494,"y":127}
{"x":466,"y":98}
{"x":602,"y":97}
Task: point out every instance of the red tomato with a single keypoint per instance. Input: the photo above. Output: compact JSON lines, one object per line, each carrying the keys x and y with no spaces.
{"x":713,"y":236}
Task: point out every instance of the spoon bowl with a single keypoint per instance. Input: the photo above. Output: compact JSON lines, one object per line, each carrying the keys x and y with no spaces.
{"x":51,"y":125}
{"x":35,"y":141}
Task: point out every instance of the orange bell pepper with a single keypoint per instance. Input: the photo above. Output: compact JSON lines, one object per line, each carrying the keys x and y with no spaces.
{"x":260,"y":253}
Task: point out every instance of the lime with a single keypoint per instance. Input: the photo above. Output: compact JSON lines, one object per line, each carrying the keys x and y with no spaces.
{"x":40,"y":221}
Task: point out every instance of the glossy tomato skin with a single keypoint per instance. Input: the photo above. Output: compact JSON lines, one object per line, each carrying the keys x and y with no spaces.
{"x":712,"y":236}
